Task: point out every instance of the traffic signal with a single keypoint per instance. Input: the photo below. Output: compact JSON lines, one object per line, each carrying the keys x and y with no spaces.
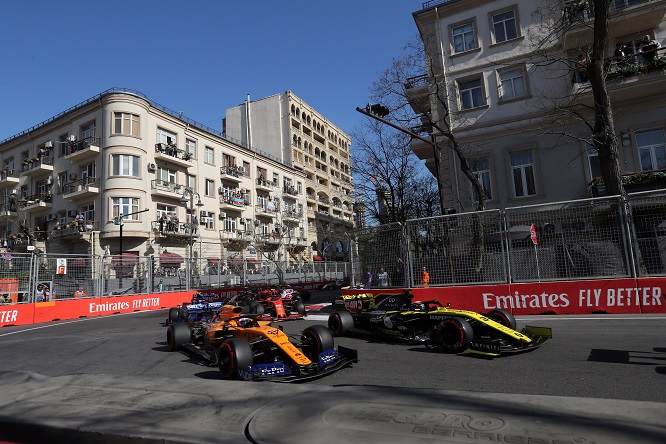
{"x":377,"y":109}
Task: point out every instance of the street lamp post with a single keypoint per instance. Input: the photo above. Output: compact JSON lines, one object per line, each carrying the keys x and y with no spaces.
{"x":188,"y":196}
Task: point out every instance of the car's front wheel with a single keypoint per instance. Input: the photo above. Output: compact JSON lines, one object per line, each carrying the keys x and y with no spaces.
{"x":315,"y":340}
{"x":178,"y":334}
{"x":453,"y":335}
{"x":503,"y":317}
{"x":233,"y":354}
{"x":340,"y":322}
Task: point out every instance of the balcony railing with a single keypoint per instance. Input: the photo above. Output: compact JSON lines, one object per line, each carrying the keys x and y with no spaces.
{"x":173,"y":151}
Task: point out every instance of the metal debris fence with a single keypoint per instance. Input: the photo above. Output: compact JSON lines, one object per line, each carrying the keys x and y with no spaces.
{"x":600,"y":238}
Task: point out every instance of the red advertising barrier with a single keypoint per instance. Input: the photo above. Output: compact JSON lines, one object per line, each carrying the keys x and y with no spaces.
{"x":616,"y":296}
{"x":58,"y":310}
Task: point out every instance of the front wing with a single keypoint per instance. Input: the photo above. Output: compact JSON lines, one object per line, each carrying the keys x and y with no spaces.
{"x":329,"y":362}
{"x":497,"y":346}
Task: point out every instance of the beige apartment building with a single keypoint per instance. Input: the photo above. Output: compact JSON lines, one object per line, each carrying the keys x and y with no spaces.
{"x":515,"y":98}
{"x":287,"y":128}
{"x":179,"y":186}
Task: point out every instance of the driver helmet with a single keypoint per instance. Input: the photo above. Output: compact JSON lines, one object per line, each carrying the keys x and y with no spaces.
{"x":244,"y":322}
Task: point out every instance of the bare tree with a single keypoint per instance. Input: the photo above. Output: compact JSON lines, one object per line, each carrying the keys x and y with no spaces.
{"x":389,"y":179}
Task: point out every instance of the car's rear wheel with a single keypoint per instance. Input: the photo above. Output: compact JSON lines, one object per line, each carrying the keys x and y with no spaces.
{"x":315,"y":340}
{"x":256,"y":308}
{"x":299,"y":307}
{"x":503,"y":317}
{"x":178,"y":334}
{"x":340,"y":322}
{"x":173,"y":314}
{"x":453,"y":335}
{"x":233,"y":354}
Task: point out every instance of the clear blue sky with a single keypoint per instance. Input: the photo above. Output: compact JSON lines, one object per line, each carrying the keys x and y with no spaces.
{"x":198,"y":56}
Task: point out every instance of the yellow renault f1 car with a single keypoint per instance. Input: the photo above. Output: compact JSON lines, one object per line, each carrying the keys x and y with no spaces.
{"x":397,"y":316}
{"x":250,"y":349}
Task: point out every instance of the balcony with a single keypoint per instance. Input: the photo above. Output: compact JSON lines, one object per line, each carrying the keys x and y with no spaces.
{"x":264,"y":185}
{"x":232,"y":202}
{"x":36,"y":203}
{"x":82,"y":150}
{"x":232,"y":173}
{"x":73,"y":231}
{"x":265,"y":210}
{"x":85,"y":188}
{"x":236,"y":236}
{"x":626,"y":17}
{"x":174,"y":229}
{"x":627,"y":80}
{"x":417,"y":93}
{"x":171,"y":154}
{"x":37,"y":166}
{"x":167,"y":189}
{"x":633,"y":182}
{"x":8,"y":178}
{"x":291,"y":218}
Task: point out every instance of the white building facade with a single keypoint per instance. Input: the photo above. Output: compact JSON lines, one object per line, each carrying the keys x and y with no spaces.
{"x":516,"y":102}
{"x":179,"y":186}
{"x":286,"y":128}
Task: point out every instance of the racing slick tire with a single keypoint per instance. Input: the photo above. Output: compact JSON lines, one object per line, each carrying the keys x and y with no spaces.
{"x":299,"y":307}
{"x":453,"y":335}
{"x":178,"y":334}
{"x":503,"y":317}
{"x":314,"y":340}
{"x":173,"y":314}
{"x":256,"y":308}
{"x":233,"y":354}
{"x":340,"y":322}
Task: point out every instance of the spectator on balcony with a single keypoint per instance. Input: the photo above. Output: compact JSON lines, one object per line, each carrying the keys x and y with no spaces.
{"x":81,"y":222}
{"x":649,"y":49}
{"x":581,"y":69}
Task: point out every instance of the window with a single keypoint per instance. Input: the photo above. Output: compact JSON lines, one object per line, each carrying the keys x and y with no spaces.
{"x":593,"y":162}
{"x":191,"y":182}
{"x":651,"y":150}
{"x":88,"y":131}
{"x":209,"y":157}
{"x":166,"y":175}
{"x":230,"y":224}
{"x":125,"y":205}
{"x":463,"y":38}
{"x":208,"y":220}
{"x":209,"y":189}
{"x":504,"y":26}
{"x":166,"y":137}
{"x":522,"y":170}
{"x":191,"y":148}
{"x":512,"y":84}
{"x":481,"y":169}
{"x":471,"y":94}
{"x":125,"y":165}
{"x":126,"y":124}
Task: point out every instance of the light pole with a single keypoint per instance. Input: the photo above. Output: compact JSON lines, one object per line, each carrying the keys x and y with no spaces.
{"x":188,"y":196}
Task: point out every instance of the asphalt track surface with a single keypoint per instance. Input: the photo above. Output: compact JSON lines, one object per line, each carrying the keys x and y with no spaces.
{"x":600,"y":357}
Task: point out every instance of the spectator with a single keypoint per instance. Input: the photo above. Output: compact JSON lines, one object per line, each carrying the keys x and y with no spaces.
{"x":80,"y":293}
{"x":649,"y":49}
{"x":368,"y":279}
{"x":425,"y":278}
{"x":581,"y":69}
{"x":383,"y":278}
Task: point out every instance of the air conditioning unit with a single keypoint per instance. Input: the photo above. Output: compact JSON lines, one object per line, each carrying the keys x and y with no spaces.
{"x":152,"y":167}
{"x":72,"y":176}
{"x":223,"y":215}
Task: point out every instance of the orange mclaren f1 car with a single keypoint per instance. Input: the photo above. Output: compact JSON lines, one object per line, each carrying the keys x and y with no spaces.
{"x":249,"y":349}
